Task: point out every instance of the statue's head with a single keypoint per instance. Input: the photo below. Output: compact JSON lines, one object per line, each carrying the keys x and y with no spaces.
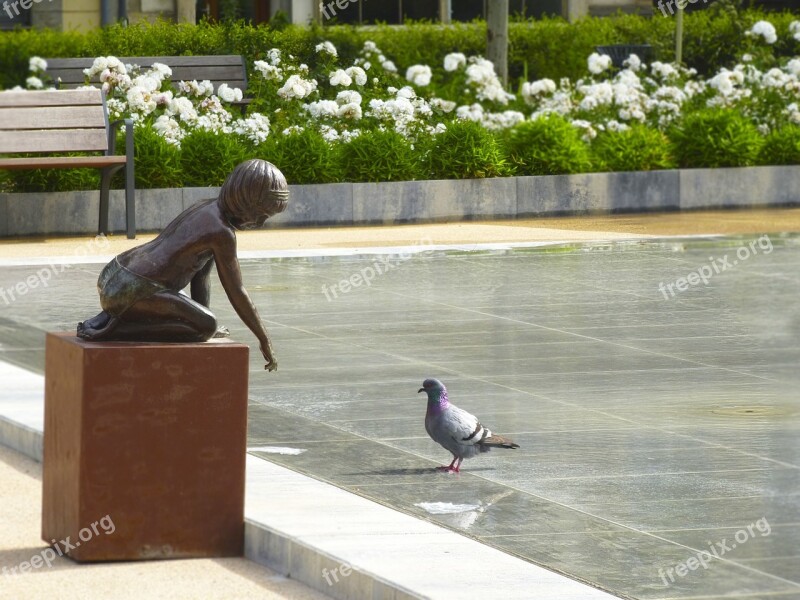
{"x":254,"y":191}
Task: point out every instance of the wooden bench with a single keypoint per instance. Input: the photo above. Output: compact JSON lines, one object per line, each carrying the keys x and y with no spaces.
{"x":62,"y":121}
{"x":218,"y":69}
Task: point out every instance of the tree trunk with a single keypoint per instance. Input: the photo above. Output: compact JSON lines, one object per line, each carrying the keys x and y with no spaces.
{"x":444,"y":11}
{"x":497,"y":37}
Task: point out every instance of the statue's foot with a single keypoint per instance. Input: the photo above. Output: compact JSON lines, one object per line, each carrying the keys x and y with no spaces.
{"x":97,"y":322}
{"x":88,"y":331}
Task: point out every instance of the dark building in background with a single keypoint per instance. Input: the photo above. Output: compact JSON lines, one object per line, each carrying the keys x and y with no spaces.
{"x":395,"y":12}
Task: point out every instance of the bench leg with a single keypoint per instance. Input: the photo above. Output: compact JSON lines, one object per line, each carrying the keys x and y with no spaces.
{"x":105,"y":184}
{"x":130,"y":201}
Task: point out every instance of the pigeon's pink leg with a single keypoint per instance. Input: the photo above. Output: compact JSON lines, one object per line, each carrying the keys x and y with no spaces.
{"x":450,"y":468}
{"x":458,"y":466}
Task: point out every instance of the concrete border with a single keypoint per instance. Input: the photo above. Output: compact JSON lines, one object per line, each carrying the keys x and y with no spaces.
{"x":428,"y":201}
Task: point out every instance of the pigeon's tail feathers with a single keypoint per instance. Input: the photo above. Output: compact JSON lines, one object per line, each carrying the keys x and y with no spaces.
{"x":496,"y":441}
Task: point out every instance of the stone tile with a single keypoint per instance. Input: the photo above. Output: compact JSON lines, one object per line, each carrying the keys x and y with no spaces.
{"x":722,"y":188}
{"x":3,"y":215}
{"x":700,"y":515}
{"x":193,"y":195}
{"x":329,"y":204}
{"x":783,"y":186}
{"x":406,"y":201}
{"x":648,"y":565}
{"x":644,"y":190}
{"x":755,"y":536}
{"x":59,"y":212}
{"x":558,"y":194}
{"x":155,"y":208}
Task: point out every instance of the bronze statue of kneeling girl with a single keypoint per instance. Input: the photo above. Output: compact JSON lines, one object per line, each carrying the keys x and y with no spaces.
{"x":140,"y":290}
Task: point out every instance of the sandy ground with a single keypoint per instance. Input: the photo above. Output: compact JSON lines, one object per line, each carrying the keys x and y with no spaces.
{"x":20,"y":515}
{"x":603,"y":227}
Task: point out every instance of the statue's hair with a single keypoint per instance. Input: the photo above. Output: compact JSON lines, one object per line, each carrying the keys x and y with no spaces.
{"x":254,"y":188}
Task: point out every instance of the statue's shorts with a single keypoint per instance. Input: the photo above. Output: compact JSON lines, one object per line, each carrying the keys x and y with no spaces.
{"x":120,"y":288}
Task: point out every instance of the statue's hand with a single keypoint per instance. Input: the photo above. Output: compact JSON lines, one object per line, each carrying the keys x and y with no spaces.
{"x":266,"y":350}
{"x":222,"y":332}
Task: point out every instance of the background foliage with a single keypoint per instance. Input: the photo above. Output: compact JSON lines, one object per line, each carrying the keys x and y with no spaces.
{"x":549,"y":47}
{"x":715,"y":38}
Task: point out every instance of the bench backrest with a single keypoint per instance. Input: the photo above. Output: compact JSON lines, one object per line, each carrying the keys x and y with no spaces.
{"x":53,"y":121}
{"x":218,"y":69}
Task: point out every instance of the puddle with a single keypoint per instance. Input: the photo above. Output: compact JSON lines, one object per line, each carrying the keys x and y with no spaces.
{"x":276,"y":450}
{"x":448,"y":508}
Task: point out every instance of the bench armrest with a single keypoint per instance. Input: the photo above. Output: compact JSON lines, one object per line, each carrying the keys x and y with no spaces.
{"x":112,"y":137}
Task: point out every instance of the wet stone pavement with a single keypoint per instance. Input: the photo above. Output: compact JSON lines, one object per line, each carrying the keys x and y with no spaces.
{"x":653,"y":387}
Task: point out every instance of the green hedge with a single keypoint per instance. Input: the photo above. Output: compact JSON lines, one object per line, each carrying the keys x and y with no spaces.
{"x":548,"y":47}
{"x":702,"y":137}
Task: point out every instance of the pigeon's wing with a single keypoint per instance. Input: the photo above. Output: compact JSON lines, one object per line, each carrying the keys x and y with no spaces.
{"x":465,"y":427}
{"x":458,"y":431}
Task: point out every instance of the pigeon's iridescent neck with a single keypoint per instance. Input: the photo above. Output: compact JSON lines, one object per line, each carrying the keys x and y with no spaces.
{"x":437,"y":406}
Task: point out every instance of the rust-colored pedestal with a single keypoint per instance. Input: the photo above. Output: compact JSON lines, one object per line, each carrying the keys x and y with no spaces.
{"x":144,"y":448}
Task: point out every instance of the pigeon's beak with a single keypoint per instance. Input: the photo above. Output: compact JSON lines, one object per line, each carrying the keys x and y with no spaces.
{"x":420,"y":390}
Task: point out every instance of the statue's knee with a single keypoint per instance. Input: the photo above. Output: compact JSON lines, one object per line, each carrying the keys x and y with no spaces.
{"x":207,"y":326}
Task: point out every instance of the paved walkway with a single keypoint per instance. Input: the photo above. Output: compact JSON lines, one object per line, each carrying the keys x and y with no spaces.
{"x":20,"y":494}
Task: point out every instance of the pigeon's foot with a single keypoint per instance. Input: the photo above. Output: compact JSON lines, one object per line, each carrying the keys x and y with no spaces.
{"x":448,"y":469}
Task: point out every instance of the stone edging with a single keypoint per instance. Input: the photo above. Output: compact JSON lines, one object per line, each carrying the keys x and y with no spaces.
{"x":428,"y":201}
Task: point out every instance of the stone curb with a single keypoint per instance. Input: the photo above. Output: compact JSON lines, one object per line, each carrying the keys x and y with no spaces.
{"x":392,"y":203}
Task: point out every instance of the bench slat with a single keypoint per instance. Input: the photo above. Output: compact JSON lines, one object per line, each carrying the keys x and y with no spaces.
{"x":73,"y":79}
{"x":218,"y":69}
{"x":54,"y":117}
{"x":62,"y":140}
{"x":147,"y":61}
{"x":61,"y":98}
{"x":216,"y":75}
{"x":61,"y":162}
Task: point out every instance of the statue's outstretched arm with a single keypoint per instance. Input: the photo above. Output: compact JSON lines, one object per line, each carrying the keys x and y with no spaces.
{"x":231,"y":278}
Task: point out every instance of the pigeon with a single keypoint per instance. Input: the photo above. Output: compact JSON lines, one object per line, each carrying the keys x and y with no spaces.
{"x":455,"y":429}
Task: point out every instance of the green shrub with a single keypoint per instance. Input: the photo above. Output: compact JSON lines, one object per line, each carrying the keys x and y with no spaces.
{"x":554,"y":48}
{"x":208,"y":158}
{"x":713,"y":138}
{"x":712,"y":37}
{"x":302,"y":156}
{"x":53,"y":180}
{"x":379,"y":156}
{"x":639,"y":148}
{"x":158,"y":163}
{"x":465,"y":150}
{"x":547,"y":146}
{"x":781,"y":147}
{"x":17,"y":46}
